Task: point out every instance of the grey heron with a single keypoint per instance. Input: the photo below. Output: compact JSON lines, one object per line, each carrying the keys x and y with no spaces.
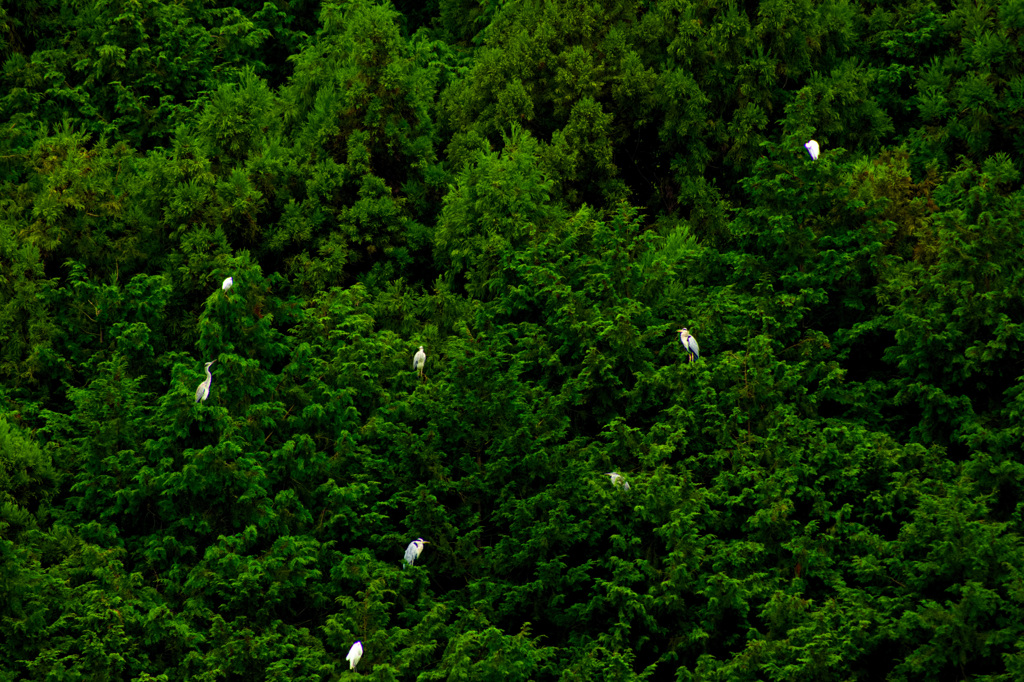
{"x":354,"y":654}
{"x":203,"y":392}
{"x":413,"y":551}
{"x":227,"y":283}
{"x":618,"y":480}
{"x":419,"y":360}
{"x":812,"y":149}
{"x":689,"y":343}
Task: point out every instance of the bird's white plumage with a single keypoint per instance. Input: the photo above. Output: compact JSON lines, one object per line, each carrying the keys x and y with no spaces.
{"x":689,"y":343}
{"x":354,"y":654}
{"x":618,"y":480}
{"x":203,"y":392}
{"x":813,"y":149}
{"x":228,"y":283}
{"x":419,"y":360}
{"x":413,"y":551}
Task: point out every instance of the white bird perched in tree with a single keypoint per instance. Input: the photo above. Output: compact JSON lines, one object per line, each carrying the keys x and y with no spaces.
{"x":413,"y":551}
{"x":812,"y":149}
{"x":419,"y":360}
{"x":690,"y":344}
{"x":618,"y":480}
{"x":228,"y":283}
{"x":354,"y":654}
{"x":203,"y":392}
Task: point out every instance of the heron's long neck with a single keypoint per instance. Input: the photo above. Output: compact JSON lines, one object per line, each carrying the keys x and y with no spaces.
{"x":209,"y":377}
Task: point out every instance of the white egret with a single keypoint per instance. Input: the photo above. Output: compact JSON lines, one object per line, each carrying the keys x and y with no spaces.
{"x":227,"y":283}
{"x":812,"y":149}
{"x":203,"y":392}
{"x":419,"y":360}
{"x":618,"y":480}
{"x":689,"y":343}
{"x":354,"y":654}
{"x":413,"y":551}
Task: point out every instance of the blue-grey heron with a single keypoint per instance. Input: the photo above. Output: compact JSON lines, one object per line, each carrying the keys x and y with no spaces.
{"x":689,"y":343}
{"x":812,"y":149}
{"x":203,"y":392}
{"x":618,"y":480}
{"x":227,"y":283}
{"x":413,"y":551}
{"x":354,"y":654}
{"x":419,"y":360}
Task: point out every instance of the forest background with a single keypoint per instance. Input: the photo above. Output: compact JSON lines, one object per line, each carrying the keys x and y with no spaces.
{"x":540,"y":194}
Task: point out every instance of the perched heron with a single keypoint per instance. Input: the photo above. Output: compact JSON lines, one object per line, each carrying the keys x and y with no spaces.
{"x":354,"y":654}
{"x":419,"y":360}
{"x":203,"y":392}
{"x":227,"y":283}
{"x":618,"y":480}
{"x":690,"y":344}
{"x":413,"y":551}
{"x":813,"y":149}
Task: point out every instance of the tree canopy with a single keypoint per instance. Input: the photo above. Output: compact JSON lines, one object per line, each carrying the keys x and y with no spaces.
{"x":539,"y":194}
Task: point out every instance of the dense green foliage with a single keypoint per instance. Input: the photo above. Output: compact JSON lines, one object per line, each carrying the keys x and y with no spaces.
{"x":540,"y":193}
